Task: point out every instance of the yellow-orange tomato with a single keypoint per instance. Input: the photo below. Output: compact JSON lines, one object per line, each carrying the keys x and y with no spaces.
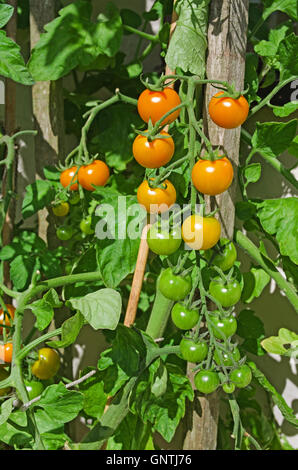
{"x":228,"y":112}
{"x":6,"y":352}
{"x":155,"y":104}
{"x":5,"y":319}
{"x":200,"y":233}
{"x":153,"y":154}
{"x":212,"y":177}
{"x":156,"y":200}
{"x":97,"y":174}
{"x":47,"y":364}
{"x":68,"y":176}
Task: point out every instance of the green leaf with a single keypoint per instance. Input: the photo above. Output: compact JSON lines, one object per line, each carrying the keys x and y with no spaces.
{"x":279,"y":401}
{"x":70,"y":330}
{"x":255,"y":282}
{"x":276,"y":344}
{"x":38,"y":195}
{"x":252,"y":173}
{"x":117,"y":260}
{"x":273,"y":138}
{"x":159,"y":9}
{"x":279,"y":217}
{"x":95,"y":397}
{"x":287,"y":57}
{"x":269,"y":48}
{"x":11,"y":61}
{"x":245,"y":210}
{"x":21,"y":270}
{"x":101,"y":309}
{"x":251,"y":329}
{"x":57,"y":405}
{"x":130,"y":18}
{"x":285,"y":110}
{"x":15,"y":431}
{"x":7,"y":405}
{"x":72,"y":40}
{"x":6,"y":12}
{"x":251,"y":79}
{"x":287,"y":6}
{"x":115,"y":121}
{"x":188,"y":43}
{"x":293,"y":148}
{"x":43,"y":309}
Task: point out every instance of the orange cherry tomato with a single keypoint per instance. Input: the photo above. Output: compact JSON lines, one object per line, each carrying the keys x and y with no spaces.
{"x":228,"y":112}
{"x":95,"y":174}
{"x":212,"y":177}
{"x":156,"y":200}
{"x":153,"y":154}
{"x":154,"y":104}
{"x":6,"y":352}
{"x":68,"y":176}
{"x":200,"y":233}
{"x":5,"y":319}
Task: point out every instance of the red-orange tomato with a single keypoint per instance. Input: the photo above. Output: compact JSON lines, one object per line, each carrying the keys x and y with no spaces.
{"x":6,"y":352}
{"x":212,"y":177}
{"x":228,"y":112}
{"x":6,"y":320}
{"x":154,"y":104}
{"x":68,"y":176}
{"x":153,"y":154}
{"x":156,"y":200}
{"x":97,"y":174}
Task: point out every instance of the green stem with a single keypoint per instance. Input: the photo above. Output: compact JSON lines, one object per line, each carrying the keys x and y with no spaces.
{"x":24,"y":351}
{"x":269,"y":96}
{"x":159,"y":315}
{"x":142,"y":34}
{"x":249,"y":247}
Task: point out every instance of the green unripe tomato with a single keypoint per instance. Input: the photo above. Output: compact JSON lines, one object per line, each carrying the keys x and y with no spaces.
{"x":193,"y":351}
{"x":74,"y":198}
{"x":226,"y":293}
{"x":163,"y":242}
{"x":64,"y":232}
{"x":227,"y":359}
{"x":223,"y":327}
{"x":183,"y":317}
{"x":228,"y":387}
{"x":241,"y":377}
{"x":227,"y":256}
{"x":86,"y":226}
{"x":174,"y":287}
{"x":206,"y":381}
{"x":34,"y":388}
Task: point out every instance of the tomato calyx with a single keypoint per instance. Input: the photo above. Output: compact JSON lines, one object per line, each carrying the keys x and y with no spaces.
{"x":230,"y":91}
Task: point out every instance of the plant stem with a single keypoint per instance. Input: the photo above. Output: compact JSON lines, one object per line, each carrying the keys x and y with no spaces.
{"x":159,"y":315}
{"x":249,"y":247}
{"x":142,"y":34}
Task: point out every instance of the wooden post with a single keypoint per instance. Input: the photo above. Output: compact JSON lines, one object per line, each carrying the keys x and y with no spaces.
{"x":227,"y":34}
{"x":48,"y":113}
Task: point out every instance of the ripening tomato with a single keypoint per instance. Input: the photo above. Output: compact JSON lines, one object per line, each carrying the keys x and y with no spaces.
{"x":6,"y":319}
{"x":61,"y":209}
{"x":95,"y":174}
{"x":212,"y":177}
{"x":70,"y":176}
{"x":200,"y":233}
{"x":156,"y":200}
{"x":153,"y":154}
{"x":6,"y":352}
{"x":228,"y":112}
{"x":162,"y":241}
{"x":155,"y":104}
{"x":47,"y":365}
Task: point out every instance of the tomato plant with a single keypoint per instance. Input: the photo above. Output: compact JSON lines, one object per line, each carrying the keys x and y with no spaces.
{"x":125,"y":115}
{"x":228,"y":112}
{"x":193,"y":351}
{"x":153,"y":154}
{"x":95,"y":174}
{"x":162,"y":241}
{"x":212,"y":177}
{"x":6,"y":317}
{"x":173,"y":286}
{"x":154,"y":104}
{"x":156,"y":199}
{"x":183,"y":317}
{"x":47,"y":364}
{"x":207,"y":381}
{"x":227,"y":293}
{"x":201,"y":233}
